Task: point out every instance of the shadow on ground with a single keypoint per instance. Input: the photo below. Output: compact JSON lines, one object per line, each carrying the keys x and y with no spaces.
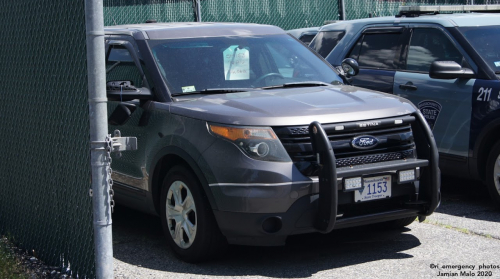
{"x":138,"y":240}
{"x":467,"y":198}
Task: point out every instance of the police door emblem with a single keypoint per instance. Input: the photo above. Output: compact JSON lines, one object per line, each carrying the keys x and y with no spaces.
{"x":430,"y":109}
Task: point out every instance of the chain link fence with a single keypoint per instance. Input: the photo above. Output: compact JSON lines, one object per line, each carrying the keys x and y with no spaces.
{"x":45,"y":206}
{"x":118,"y":12}
{"x":355,"y":9}
{"x":287,"y":14}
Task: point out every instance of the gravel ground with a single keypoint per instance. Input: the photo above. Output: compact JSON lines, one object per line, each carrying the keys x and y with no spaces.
{"x":461,"y":237}
{"x":464,"y":231}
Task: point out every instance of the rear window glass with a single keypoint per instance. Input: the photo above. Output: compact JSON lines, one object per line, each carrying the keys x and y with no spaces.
{"x":326,"y":41}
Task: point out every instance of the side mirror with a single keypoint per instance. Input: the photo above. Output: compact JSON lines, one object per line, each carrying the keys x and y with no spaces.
{"x":449,"y":70}
{"x":347,"y":69}
{"x":125,"y":91}
{"x":350,"y":67}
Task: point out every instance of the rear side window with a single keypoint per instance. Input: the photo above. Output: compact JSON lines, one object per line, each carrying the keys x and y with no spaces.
{"x":325,"y":41}
{"x":120,"y":67}
{"x":377,"y":50}
{"x":428,"y":45}
{"x":306,"y":39}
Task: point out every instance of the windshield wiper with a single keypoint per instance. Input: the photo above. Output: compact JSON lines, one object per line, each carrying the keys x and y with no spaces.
{"x":216,"y":91}
{"x":298,"y":84}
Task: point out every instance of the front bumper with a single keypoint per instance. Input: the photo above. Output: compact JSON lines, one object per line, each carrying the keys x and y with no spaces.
{"x":265,"y":214}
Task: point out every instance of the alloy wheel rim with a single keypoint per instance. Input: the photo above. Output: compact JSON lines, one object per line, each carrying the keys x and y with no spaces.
{"x":181,"y":214}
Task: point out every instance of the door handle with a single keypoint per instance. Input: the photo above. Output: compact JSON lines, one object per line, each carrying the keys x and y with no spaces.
{"x":408,"y":86}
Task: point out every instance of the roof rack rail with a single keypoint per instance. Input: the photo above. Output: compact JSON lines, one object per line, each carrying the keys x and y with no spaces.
{"x":414,"y":11}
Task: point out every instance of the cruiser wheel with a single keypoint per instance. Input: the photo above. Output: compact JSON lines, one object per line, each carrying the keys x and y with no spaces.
{"x":187,"y":219}
{"x":493,"y":173}
{"x":181,"y":214}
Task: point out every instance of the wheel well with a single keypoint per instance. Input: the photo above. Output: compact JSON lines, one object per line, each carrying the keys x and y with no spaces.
{"x":160,"y":171}
{"x":487,"y":143}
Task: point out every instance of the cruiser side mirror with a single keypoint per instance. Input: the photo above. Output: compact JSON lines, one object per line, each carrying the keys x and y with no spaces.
{"x":125,"y":91}
{"x":348,"y":68}
{"x":449,"y":70}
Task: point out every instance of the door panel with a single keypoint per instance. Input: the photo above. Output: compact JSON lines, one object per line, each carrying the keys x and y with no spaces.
{"x":379,"y":80}
{"x":446,"y":105}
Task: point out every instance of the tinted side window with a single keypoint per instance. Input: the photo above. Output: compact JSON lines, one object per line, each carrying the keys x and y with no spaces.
{"x":428,"y":45}
{"x":307,"y":38}
{"x":376,"y":50}
{"x":120,"y":67}
{"x":326,"y":41}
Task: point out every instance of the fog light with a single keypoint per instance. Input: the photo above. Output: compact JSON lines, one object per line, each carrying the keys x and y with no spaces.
{"x":406,"y":176}
{"x":260,"y":149}
{"x":354,"y":183}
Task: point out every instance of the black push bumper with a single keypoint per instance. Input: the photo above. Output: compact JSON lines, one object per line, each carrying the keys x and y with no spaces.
{"x":328,"y":173}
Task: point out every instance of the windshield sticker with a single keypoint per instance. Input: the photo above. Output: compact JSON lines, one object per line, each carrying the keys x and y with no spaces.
{"x":236,"y":63}
{"x":497,"y":63}
{"x":187,"y":89}
{"x":430,"y":109}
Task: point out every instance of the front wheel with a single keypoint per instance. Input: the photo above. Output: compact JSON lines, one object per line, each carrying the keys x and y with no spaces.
{"x":187,"y":219}
{"x":493,"y":173}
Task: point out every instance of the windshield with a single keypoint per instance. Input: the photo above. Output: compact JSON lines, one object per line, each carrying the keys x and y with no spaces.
{"x":197,"y":64}
{"x":486,"y":41}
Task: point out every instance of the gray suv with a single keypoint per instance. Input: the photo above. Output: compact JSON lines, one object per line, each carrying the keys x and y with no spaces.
{"x":246,"y":136}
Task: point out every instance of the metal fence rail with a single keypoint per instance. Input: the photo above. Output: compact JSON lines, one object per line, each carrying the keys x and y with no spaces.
{"x":45,"y":206}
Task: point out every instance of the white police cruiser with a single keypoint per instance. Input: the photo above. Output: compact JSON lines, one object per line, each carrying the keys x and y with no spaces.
{"x":446,"y":64}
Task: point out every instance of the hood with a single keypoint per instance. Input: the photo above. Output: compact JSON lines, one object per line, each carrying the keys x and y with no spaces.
{"x":292,"y":106}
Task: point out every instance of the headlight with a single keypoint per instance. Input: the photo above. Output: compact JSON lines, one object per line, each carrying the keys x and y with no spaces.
{"x":260,"y":143}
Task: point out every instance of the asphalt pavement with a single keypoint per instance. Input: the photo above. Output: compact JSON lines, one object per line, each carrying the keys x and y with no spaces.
{"x":460,"y":240}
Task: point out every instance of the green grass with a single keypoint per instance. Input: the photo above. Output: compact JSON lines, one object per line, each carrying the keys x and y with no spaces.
{"x":9,"y":265}
{"x":458,"y":229}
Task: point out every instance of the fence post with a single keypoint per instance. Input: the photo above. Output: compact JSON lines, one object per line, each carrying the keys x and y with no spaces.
{"x":341,"y":9}
{"x":99,"y":155}
{"x":197,"y":10}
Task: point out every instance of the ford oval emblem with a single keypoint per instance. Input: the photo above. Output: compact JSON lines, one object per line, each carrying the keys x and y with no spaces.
{"x":364,"y":142}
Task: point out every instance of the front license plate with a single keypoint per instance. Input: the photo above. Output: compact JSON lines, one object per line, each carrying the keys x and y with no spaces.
{"x":378,"y":187}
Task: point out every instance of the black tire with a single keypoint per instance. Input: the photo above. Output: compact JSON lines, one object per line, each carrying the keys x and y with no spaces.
{"x":493,"y":173}
{"x":191,"y":229}
{"x":399,"y":223}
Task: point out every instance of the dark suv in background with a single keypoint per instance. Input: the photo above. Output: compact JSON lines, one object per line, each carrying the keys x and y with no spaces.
{"x":448,"y":65}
